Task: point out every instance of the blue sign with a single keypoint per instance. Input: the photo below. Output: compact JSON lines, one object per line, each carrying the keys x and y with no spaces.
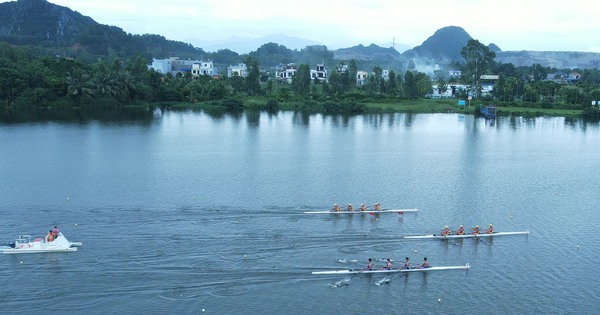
{"x":461,"y":103}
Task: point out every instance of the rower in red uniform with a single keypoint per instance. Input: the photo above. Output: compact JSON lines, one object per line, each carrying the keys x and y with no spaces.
{"x":475,"y":230}
{"x":445,"y":231}
{"x":460,"y":231}
{"x":490,"y":230}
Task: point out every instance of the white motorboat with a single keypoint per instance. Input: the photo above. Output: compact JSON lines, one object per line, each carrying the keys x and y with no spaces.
{"x":26,"y":245}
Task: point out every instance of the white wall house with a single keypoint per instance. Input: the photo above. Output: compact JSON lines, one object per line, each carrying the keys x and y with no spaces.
{"x":161,"y":65}
{"x":361,"y":77}
{"x":203,"y":68}
{"x":285,"y":73}
{"x":237,"y":70}
{"x":319,"y":73}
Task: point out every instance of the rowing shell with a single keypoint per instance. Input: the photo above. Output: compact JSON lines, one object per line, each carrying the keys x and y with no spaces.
{"x":443,"y":237}
{"x":362,"y":212}
{"x":354,"y":271}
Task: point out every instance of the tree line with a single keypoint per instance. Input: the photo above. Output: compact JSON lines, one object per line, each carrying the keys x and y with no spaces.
{"x":28,"y":80}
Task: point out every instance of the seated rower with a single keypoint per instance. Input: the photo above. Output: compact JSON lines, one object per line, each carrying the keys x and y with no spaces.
{"x":425,"y":263}
{"x":406,"y":264}
{"x":362,"y":207}
{"x":369,"y":265}
{"x":377,"y":207}
{"x":445,"y":231}
{"x":55,"y":231}
{"x":388,"y":265}
{"x":490,"y":230}
{"x":336,"y":208}
{"x":350,"y":208}
{"x":476,"y":230}
{"x":460,"y":231}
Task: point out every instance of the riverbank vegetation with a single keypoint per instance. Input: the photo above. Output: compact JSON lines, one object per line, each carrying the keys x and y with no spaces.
{"x":30,"y":81}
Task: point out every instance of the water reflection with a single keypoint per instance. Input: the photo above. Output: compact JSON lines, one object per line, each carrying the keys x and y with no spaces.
{"x":141,"y":116}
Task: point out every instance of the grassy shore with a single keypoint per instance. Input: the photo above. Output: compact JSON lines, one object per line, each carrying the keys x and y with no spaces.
{"x":395,"y":106}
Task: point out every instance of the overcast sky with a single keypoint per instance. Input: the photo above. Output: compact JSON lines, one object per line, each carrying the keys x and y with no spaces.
{"x":555,"y":25}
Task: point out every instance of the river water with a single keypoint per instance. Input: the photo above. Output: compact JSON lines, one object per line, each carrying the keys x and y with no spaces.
{"x":201,"y":212}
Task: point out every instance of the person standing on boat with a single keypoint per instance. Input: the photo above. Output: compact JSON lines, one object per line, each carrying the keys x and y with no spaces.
{"x":406,"y":264}
{"x":460,"y":231}
{"x":369,"y":265}
{"x":476,"y":230}
{"x":490,"y":230}
{"x":350,"y":208}
{"x":388,"y":265}
{"x":50,"y":236}
{"x":445,"y":231}
{"x":55,"y":231}
{"x":336,"y":208}
{"x":425,"y":263}
{"x":362,"y":207}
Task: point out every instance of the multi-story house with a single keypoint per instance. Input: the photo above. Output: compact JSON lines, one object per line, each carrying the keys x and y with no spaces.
{"x":237,"y":70}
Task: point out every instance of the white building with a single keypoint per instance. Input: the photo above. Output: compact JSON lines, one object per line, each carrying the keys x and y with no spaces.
{"x":361,"y":77}
{"x":237,"y":70}
{"x":203,"y":68}
{"x":320,"y":73}
{"x":285,"y":73}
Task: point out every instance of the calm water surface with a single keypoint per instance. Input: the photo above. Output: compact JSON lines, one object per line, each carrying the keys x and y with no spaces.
{"x":181,"y":212}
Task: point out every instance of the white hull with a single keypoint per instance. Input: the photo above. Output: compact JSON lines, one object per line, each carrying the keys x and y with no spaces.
{"x":362,"y":212}
{"x":24,"y":245}
{"x":442,"y":237}
{"x":417,"y":269}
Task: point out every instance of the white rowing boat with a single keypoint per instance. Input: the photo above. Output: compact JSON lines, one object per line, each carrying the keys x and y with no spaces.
{"x":444,"y":237}
{"x":400,"y":211}
{"x":26,"y":245}
{"x":417,"y":269}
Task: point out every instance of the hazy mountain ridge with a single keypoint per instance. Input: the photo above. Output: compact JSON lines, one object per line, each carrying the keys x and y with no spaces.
{"x":64,"y":31}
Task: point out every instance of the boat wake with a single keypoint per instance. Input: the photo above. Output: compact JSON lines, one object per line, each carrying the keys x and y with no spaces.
{"x":346,"y":261}
{"x":383,"y":281}
{"x":342,"y":283}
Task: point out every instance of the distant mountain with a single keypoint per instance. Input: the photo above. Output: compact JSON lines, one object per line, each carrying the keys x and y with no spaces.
{"x":442,"y":47}
{"x":65,"y":32}
{"x":244,"y":45}
{"x":371,"y":52}
{"x":554,"y":59}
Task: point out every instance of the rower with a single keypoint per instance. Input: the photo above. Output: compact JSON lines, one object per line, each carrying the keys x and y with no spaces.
{"x":336,"y":208}
{"x":369,"y":265}
{"x":388,"y":265}
{"x":350,"y":208}
{"x":406,"y":264}
{"x":475,"y":230}
{"x":377,"y":207}
{"x":460,"y":231}
{"x":362,"y":207}
{"x":445,"y":231}
{"x":490,"y":230}
{"x":425,"y":263}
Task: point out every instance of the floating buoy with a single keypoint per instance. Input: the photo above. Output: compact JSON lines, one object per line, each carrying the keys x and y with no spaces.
{"x":577,"y":246}
{"x":203,"y":310}
{"x":76,"y":225}
{"x":245,"y":256}
{"x":415,"y":250}
{"x":439,"y":300}
{"x":21,"y":262}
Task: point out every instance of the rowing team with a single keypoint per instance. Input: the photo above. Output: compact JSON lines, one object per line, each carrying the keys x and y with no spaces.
{"x":461,"y":230}
{"x":376,"y":207}
{"x":406,"y":265}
